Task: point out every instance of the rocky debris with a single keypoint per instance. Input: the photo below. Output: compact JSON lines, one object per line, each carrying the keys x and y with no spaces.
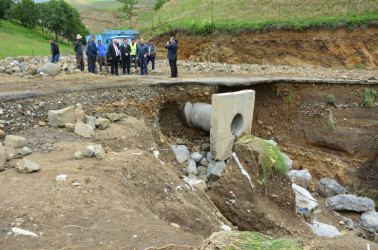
{"x":26,"y":166}
{"x":26,"y":151}
{"x":192,"y":168}
{"x":84,"y":130}
{"x":102,"y":123}
{"x":113,"y":116}
{"x":79,"y":114}
{"x":303,"y":198}
{"x":205,"y":147}
{"x":2,"y":133}
{"x":181,"y":152}
{"x":19,"y":231}
{"x":59,"y":118}
{"x":91,"y":121}
{"x":79,"y":155}
{"x":70,"y":127}
{"x":50,"y":69}
{"x":369,"y":220}
{"x":201,"y":184}
{"x":3,"y":157}
{"x":329,"y":187}
{"x":215,"y":169}
{"x":204,"y":162}
{"x":196,"y":156}
{"x":99,"y":152}
{"x":61,"y":177}
{"x":300,"y":177}
{"x":322,"y":229}
{"x":89,"y":151}
{"x":15,"y":141}
{"x":349,"y":202}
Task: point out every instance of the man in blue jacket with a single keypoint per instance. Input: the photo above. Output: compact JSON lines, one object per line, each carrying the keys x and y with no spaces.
{"x":55,"y":54}
{"x":92,"y":53}
{"x":141,"y":53}
{"x":172,"y":55}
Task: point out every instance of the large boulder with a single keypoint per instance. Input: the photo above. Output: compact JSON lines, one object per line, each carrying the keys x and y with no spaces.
{"x":3,"y":157}
{"x":181,"y":152}
{"x":325,"y":230}
{"x":329,"y":187}
{"x":59,"y":118}
{"x":15,"y":141}
{"x":25,"y":166}
{"x":349,"y":202}
{"x":369,"y":220}
{"x":303,"y":198}
{"x":300,"y":177}
{"x":49,"y":69}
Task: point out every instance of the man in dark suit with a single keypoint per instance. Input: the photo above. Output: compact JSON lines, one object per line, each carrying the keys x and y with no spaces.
{"x":114,"y":54}
{"x":172,"y":55}
{"x":125,"y":52}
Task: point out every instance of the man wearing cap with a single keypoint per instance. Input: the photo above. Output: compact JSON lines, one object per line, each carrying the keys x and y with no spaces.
{"x":133,"y":47}
{"x":78,"y":47}
{"x":151,"y":53}
{"x":141,"y":53}
{"x":55,"y":53}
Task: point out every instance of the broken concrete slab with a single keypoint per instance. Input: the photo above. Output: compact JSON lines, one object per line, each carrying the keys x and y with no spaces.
{"x":231,"y":117}
{"x":59,"y":118}
{"x":215,"y":169}
{"x":84,"y":130}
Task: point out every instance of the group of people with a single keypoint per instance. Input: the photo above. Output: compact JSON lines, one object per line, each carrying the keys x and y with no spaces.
{"x":125,"y":53}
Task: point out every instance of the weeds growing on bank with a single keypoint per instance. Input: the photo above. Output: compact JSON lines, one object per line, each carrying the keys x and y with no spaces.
{"x":255,"y":240}
{"x":369,"y":96}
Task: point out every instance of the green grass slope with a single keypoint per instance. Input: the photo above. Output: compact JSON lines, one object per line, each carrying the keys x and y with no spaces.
{"x":227,"y":14}
{"x":20,"y":41}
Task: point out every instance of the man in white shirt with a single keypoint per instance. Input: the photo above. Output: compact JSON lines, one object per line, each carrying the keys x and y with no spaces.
{"x":114,"y":55}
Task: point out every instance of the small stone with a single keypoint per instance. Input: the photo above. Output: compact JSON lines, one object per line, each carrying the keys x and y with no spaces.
{"x":218,"y":214}
{"x":192,"y":168}
{"x":79,"y":155}
{"x":15,"y":141}
{"x":113,"y":117}
{"x":204,"y":162}
{"x":61,"y":177}
{"x":89,"y":151}
{"x":26,"y":151}
{"x":325,"y":230}
{"x":175,"y":225}
{"x":84,"y":130}
{"x":3,"y":157}
{"x":369,"y":220}
{"x":179,"y":141}
{"x":91,"y":121}
{"x":196,"y":156}
{"x":181,"y":152}
{"x":31,"y":219}
{"x":26,"y":166}
{"x":215,"y":169}
{"x":300,"y":177}
{"x":102,"y":123}
{"x":303,"y":198}
{"x":99,"y":152}
{"x":2,"y":133}
{"x":79,"y":114}
{"x":202,"y":170}
{"x":70,"y":127}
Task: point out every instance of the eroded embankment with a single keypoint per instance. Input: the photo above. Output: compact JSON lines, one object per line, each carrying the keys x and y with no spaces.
{"x":316,"y":48}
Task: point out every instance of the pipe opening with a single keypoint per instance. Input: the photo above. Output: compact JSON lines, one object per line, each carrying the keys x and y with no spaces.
{"x":237,"y":125}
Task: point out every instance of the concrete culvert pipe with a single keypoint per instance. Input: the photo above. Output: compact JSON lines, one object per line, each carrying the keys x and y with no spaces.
{"x":197,"y":115}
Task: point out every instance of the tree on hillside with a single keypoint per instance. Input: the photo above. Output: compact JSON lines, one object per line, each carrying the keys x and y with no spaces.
{"x":4,"y":6}
{"x":128,"y":8}
{"x":26,"y":12}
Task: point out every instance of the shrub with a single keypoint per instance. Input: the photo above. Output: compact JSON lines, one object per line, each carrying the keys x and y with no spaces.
{"x":369,"y":95}
{"x":330,"y":99}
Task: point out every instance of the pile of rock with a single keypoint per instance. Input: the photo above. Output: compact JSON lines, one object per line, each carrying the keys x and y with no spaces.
{"x":15,"y":148}
{"x":96,"y":151}
{"x":200,"y":168}
{"x":75,"y":120}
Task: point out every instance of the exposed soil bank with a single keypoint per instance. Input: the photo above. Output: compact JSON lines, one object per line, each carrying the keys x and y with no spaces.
{"x":323,"y":48}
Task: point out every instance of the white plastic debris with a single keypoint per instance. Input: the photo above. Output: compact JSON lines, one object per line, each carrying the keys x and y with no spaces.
{"x":61,"y":177}
{"x":156,"y":154}
{"x":243,"y":170}
{"x":19,"y":231}
{"x":226,"y":228}
{"x":138,"y":153}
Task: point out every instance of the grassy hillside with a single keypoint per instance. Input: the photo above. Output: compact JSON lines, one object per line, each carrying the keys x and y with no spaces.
{"x":229,"y":14}
{"x":20,"y":41}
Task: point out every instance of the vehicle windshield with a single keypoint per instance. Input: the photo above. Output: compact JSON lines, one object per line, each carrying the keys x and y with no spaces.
{"x":120,"y":39}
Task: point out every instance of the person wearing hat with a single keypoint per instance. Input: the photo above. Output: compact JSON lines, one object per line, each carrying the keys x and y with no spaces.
{"x":151,"y":53}
{"x":78,"y":47}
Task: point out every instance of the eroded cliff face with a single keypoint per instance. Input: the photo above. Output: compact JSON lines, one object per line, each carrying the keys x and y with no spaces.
{"x":323,"y":48}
